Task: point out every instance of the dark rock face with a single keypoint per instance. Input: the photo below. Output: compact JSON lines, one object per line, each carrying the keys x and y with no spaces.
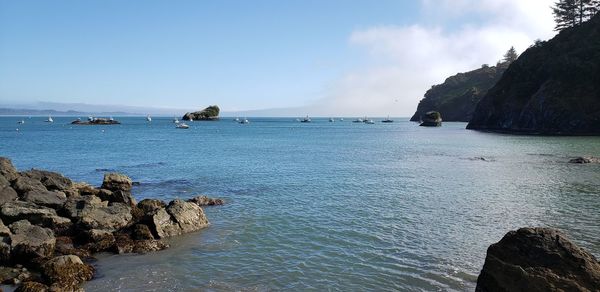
{"x":49,"y":224}
{"x":431,"y":119}
{"x":210,"y":113}
{"x":458,"y":96}
{"x":553,"y":88}
{"x":538,"y":259}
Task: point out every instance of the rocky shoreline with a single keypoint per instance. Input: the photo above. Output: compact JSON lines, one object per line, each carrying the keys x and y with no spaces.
{"x":50,"y":227}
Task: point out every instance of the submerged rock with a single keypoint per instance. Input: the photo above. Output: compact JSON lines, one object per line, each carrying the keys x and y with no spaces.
{"x":206,"y":201}
{"x":538,"y":259}
{"x":585,"y":160}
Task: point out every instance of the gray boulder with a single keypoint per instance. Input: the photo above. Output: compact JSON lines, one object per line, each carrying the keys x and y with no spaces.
{"x":538,"y":259}
{"x":179,"y":217}
{"x":116,"y":182}
{"x":7,"y":169}
{"x":39,"y":215}
{"x":109,"y":218}
{"x":7,"y":194}
{"x":117,"y":197}
{"x":206,"y":201}
{"x":585,"y":160}
{"x":29,"y":242}
{"x":25,"y":184}
{"x":74,"y":205}
{"x":51,"y":180}
{"x":50,"y":199}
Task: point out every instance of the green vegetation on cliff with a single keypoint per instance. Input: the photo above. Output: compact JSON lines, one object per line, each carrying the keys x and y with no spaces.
{"x":210,"y":113}
{"x":552,"y":88}
{"x":458,"y":96}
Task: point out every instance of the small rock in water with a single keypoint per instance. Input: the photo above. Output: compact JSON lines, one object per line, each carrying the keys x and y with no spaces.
{"x":585,"y":160}
{"x":206,"y":201}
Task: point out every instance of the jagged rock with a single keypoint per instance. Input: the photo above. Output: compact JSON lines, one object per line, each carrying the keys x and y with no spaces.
{"x":585,"y":160}
{"x":179,"y":217}
{"x":141,"y":232}
{"x":7,"y":169}
{"x":99,"y":240}
{"x":19,"y":210}
{"x":65,"y":246}
{"x":74,"y":205}
{"x":7,"y":194}
{"x":32,"y":287}
{"x":125,"y":244}
{"x":51,"y":180}
{"x":29,"y":242}
{"x":151,"y":205}
{"x":206,"y":201}
{"x":4,"y":230}
{"x":67,"y":272}
{"x":50,"y":199}
{"x":538,"y":259}
{"x":4,"y":182}
{"x":14,"y":275}
{"x":110,"y":218}
{"x":25,"y":184}
{"x":5,"y":248}
{"x":83,"y":189}
{"x":116,"y":182}
{"x":117,"y":197}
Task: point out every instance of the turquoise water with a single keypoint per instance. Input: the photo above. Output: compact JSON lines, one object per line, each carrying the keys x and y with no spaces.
{"x":324,"y":206}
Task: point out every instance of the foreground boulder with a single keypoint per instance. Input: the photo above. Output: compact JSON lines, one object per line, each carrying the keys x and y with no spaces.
{"x":67,"y":272}
{"x":538,"y":259}
{"x":117,"y":182}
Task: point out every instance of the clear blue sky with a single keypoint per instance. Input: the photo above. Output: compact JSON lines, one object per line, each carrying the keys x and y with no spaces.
{"x":239,"y":54}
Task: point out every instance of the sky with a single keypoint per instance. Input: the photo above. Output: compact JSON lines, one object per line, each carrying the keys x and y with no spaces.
{"x":296,"y":57}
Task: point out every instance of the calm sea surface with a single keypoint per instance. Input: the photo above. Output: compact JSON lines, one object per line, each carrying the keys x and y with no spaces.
{"x":324,"y":206}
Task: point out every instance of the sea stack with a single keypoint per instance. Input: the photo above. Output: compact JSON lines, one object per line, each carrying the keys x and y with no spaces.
{"x":538,"y":259}
{"x":210,"y":113}
{"x":431,"y":119}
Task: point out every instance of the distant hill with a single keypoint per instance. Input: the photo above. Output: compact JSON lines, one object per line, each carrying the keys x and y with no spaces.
{"x":35,"y":112}
{"x":458,"y":96}
{"x":552,"y":88}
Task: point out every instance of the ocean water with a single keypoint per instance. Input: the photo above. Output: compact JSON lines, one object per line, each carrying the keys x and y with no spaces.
{"x":324,"y":206}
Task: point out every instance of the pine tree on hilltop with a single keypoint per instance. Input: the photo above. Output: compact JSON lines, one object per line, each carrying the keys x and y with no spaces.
{"x":510,"y":56}
{"x":570,"y":13}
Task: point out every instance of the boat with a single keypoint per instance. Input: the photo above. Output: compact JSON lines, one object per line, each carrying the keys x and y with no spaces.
{"x":359,"y":120}
{"x":369,"y":122}
{"x":111,"y":119}
{"x":90,"y":118}
{"x":341,"y":119}
{"x":244,"y":121}
{"x":182,"y":126}
{"x":148,"y":118}
{"x":236,"y":120}
{"x":306,"y":120}
{"x":190,"y":118}
{"x":331,"y":120}
{"x":49,"y":120}
{"x":175,"y":120}
{"x":21,"y":122}
{"x":388,"y":120}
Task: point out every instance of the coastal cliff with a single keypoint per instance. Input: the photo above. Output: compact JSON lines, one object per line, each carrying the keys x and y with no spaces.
{"x":458,"y":96}
{"x":552,"y":88}
{"x":210,"y":113}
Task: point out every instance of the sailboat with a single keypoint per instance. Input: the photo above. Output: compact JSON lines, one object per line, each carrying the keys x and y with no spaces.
{"x":244,"y":121}
{"x":331,"y":120}
{"x":388,"y":120}
{"x":21,"y":122}
{"x":148,"y":118}
{"x":49,"y":120}
{"x":175,"y":120}
{"x":306,"y":120}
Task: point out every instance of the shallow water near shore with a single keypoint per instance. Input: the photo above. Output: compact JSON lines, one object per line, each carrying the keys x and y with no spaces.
{"x":324,"y":206}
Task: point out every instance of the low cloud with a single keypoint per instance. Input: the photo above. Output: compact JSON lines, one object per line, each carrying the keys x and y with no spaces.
{"x":453,"y":36}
